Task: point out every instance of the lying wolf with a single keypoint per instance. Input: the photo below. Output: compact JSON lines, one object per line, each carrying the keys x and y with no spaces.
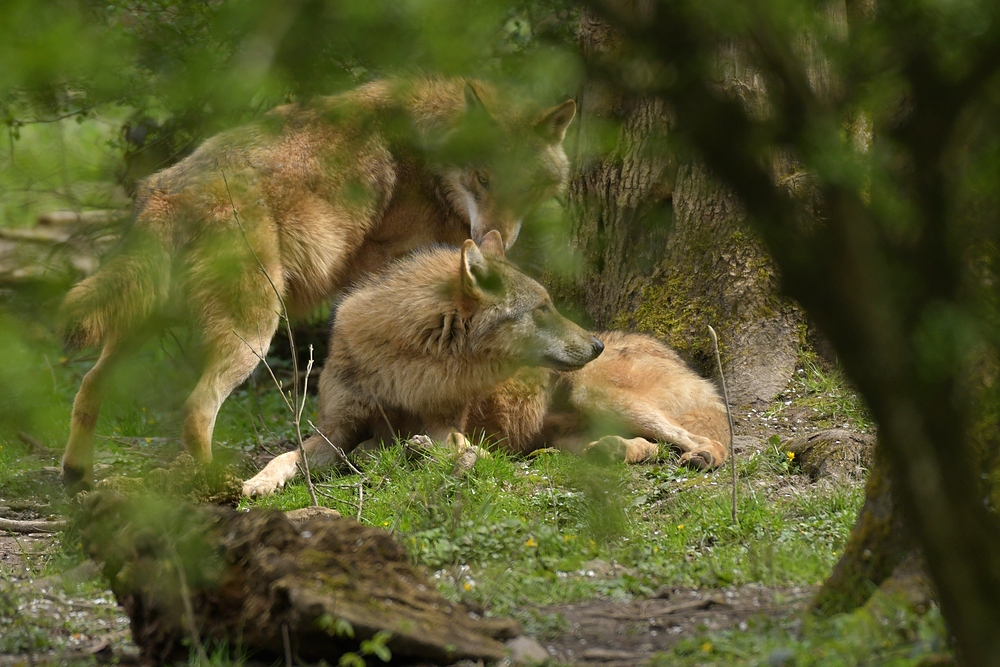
{"x":636,"y":393}
{"x":452,"y":341}
{"x":287,"y":211}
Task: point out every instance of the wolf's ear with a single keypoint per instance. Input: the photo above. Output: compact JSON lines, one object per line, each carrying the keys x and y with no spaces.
{"x":473,"y":102}
{"x":478,"y":280}
{"x":492,"y":245}
{"x":474,"y":266}
{"x":552,"y":126}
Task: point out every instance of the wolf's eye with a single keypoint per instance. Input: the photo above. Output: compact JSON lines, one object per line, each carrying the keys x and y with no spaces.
{"x":484,"y":181}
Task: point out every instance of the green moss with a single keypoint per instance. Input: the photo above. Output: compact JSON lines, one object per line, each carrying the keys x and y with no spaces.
{"x":666,"y":311}
{"x":680,"y":306}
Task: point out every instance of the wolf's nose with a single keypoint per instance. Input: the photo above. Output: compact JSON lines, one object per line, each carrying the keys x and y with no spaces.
{"x":598,"y":347}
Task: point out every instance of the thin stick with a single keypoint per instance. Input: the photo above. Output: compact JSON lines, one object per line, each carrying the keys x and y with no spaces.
{"x":386,"y":418}
{"x":343,"y":455}
{"x":296,"y":410}
{"x":188,"y":608}
{"x":361,"y":498}
{"x":729,"y":416}
{"x":298,"y":428}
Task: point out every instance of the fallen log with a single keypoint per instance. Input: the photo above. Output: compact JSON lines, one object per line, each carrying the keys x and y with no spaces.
{"x":248,"y":576}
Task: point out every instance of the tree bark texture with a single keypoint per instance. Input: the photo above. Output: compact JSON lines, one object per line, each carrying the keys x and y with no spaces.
{"x":877,"y":545}
{"x":665,"y":247}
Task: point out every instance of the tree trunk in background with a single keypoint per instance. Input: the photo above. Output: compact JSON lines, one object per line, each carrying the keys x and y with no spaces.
{"x":666,"y":249}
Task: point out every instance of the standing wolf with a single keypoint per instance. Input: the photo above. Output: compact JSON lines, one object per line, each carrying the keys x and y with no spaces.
{"x":316,"y":196}
{"x":413,"y":346}
{"x":448,"y":341}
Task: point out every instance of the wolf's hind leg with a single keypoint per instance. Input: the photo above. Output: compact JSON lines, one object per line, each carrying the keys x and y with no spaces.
{"x":651,"y":423}
{"x":78,"y":460}
{"x":229,"y":360}
{"x":617,"y":448}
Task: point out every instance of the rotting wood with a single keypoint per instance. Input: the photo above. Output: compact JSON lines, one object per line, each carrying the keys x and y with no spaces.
{"x":250,"y":573}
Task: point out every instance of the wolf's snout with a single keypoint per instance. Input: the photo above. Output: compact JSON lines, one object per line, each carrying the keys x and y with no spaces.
{"x":598,"y":347}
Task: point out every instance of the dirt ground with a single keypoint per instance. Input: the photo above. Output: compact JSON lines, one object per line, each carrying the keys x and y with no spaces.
{"x":80,"y":623}
{"x":619,"y":634}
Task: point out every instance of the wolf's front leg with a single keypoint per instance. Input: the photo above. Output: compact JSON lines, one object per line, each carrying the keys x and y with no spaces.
{"x":285,"y":467}
{"x":275,"y":474}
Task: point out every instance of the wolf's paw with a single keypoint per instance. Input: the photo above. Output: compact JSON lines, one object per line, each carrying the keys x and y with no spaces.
{"x":261,"y":486}
{"x":75,"y":480}
{"x":418,"y":445}
{"x":607,"y":449}
{"x":700,"y":460}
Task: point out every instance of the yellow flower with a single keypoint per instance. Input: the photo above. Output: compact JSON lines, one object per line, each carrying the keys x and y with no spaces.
{"x":680,"y":526}
{"x":467,"y":586}
{"x":385,"y":523}
{"x":790,"y":455}
{"x":656,"y":550}
{"x":707,"y":647}
{"x":148,"y":440}
{"x":531,"y":542}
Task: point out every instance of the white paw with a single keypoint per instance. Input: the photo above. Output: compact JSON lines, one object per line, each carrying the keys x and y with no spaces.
{"x":261,"y":485}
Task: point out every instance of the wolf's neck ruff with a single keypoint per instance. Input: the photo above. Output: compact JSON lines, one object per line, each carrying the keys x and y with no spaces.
{"x":449,"y":338}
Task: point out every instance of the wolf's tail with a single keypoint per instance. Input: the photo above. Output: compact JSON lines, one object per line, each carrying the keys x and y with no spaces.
{"x":121,"y":296}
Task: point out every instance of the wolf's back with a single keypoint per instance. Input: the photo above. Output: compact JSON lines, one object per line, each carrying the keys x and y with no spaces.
{"x":121,"y":296}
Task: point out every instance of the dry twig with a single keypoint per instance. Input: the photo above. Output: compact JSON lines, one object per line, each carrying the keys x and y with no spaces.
{"x":188,"y":608}
{"x":729,"y":416}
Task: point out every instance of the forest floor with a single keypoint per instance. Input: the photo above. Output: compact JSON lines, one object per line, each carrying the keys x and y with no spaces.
{"x":602,"y":564}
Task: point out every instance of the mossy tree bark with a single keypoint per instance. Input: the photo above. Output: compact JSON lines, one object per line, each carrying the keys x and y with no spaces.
{"x":877,"y":545}
{"x":665,"y":247}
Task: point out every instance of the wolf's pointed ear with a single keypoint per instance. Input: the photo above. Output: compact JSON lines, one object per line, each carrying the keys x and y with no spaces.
{"x":492,"y":245}
{"x":552,"y":126}
{"x":474,"y":267}
{"x":473,"y":103}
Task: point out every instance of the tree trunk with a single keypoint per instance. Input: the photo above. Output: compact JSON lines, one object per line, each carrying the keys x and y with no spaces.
{"x":666,"y":248}
{"x":877,"y":545}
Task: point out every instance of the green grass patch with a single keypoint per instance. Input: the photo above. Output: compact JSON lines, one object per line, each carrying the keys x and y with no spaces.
{"x":522,"y":531}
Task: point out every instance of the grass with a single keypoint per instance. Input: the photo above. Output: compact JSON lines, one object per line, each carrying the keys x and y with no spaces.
{"x":819,"y":396}
{"x":517,"y":532}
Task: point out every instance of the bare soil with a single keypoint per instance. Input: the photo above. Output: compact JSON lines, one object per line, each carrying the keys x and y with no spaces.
{"x":618,"y":634}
